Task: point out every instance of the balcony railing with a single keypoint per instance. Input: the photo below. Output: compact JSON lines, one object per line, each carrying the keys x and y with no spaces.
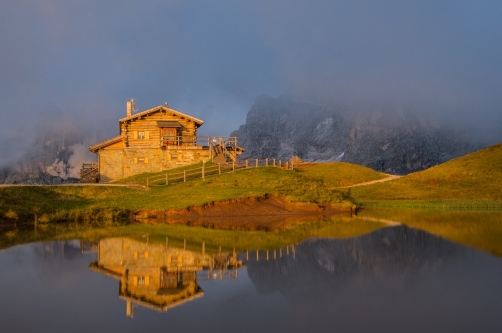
{"x":192,"y":140}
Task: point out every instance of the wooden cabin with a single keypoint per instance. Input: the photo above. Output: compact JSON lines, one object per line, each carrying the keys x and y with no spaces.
{"x":156,"y":139}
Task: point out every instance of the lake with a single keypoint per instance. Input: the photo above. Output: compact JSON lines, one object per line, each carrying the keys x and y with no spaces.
{"x":391,"y":279}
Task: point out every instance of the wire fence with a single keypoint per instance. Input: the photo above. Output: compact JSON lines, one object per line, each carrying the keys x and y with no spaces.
{"x":215,"y":170}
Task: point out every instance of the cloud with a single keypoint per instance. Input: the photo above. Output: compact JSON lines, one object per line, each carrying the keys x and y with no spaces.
{"x":211,"y":59}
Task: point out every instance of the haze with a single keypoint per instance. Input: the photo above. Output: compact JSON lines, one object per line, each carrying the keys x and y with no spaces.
{"x":77,"y":62}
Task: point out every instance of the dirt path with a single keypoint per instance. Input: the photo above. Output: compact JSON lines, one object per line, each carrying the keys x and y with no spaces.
{"x":391,"y":177}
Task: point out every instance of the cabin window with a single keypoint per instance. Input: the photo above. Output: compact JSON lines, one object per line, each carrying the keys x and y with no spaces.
{"x":141,"y":135}
{"x":141,"y":160}
{"x":174,"y":157}
{"x":141,"y":280}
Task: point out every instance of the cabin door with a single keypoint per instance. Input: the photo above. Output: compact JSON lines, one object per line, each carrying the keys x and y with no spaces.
{"x":169,"y":136}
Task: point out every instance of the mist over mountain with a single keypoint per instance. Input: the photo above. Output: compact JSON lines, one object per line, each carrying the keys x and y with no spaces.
{"x":53,"y":155}
{"x":383,"y":137}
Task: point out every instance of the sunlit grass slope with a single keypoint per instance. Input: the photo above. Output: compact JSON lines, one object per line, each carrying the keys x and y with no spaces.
{"x":474,"y":177}
{"x":91,"y":202}
{"x":339,"y":174}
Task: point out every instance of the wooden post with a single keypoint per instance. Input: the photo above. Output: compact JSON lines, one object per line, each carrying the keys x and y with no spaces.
{"x":280,"y":252}
{"x":219,"y":169}
{"x":267,"y":254}
{"x":203,"y":171}
{"x":184,"y":176}
{"x":247,"y":255}
{"x":210,"y":148}
{"x":246,"y":164}
{"x":274,"y":161}
{"x":203,"y":249}
{"x":287,"y":249}
{"x":184,"y":245}
{"x":266,"y":162}
{"x":287,"y":165}
{"x":167,"y":242}
{"x":147,"y":182}
{"x":233,"y":166}
{"x":280,"y":162}
{"x":257,"y":257}
{"x":256,"y":162}
{"x":167,"y":179}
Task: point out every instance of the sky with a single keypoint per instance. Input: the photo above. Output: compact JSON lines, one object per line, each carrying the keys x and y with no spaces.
{"x":76,"y":63}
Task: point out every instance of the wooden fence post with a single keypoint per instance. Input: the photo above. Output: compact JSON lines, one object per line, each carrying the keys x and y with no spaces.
{"x":233,"y":166}
{"x":184,"y":245}
{"x":203,"y":249}
{"x":167,"y":179}
{"x":256,"y":162}
{"x":286,"y":165}
{"x":266,"y":162}
{"x":203,"y":171}
{"x":184,"y":176}
{"x":147,"y":182}
{"x":219,"y":169}
{"x":274,"y":161}
{"x":246,"y":164}
{"x":280,"y":163}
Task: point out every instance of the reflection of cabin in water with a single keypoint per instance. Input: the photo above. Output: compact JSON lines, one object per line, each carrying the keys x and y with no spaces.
{"x":157,"y":276}
{"x":153,"y":140}
{"x":151,"y":275}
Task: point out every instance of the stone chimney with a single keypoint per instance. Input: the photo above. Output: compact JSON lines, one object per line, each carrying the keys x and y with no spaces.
{"x":129,"y":107}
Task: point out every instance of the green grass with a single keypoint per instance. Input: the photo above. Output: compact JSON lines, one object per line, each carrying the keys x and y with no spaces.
{"x":481,"y":230}
{"x":475,"y":177}
{"x":240,"y":240}
{"x":72,"y":203}
{"x":339,"y":174}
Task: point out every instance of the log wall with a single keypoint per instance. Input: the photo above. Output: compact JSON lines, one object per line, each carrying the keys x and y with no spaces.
{"x":148,"y":124}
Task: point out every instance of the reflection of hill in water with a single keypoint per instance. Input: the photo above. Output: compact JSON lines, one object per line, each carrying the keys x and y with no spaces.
{"x":397,"y":252}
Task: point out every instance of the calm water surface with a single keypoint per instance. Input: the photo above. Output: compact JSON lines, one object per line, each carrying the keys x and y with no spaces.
{"x":396,"y":279}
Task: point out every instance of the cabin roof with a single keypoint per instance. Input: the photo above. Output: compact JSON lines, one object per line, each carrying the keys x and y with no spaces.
{"x":98,"y":146}
{"x":159,"y":108}
{"x":147,"y":303}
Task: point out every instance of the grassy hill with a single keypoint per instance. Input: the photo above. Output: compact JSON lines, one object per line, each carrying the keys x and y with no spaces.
{"x":474,"y":177}
{"x":339,"y":174}
{"x":312,"y":184}
{"x":472,"y":180}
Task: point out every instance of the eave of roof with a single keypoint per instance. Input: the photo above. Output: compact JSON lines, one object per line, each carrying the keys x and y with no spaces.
{"x":161,"y":307}
{"x":159,"y":108}
{"x":98,"y":146}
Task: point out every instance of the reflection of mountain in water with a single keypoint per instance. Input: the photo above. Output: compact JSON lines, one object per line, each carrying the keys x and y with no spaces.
{"x":321,"y":263}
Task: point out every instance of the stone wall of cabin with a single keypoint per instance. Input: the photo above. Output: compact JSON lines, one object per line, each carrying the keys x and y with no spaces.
{"x":110,"y":165}
{"x":116,"y":164}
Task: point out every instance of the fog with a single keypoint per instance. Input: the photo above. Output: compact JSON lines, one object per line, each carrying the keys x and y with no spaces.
{"x":81,"y":60}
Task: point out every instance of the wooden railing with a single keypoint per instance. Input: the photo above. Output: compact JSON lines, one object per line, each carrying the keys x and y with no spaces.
{"x":215,"y":170}
{"x":192,"y":140}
